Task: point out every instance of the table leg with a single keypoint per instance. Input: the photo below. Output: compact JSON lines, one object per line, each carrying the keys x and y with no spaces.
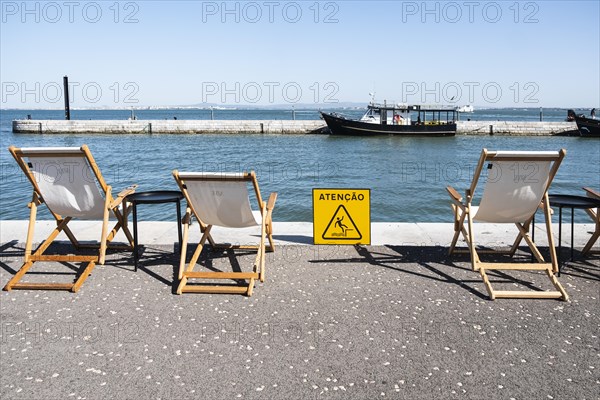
{"x":572,"y":210}
{"x":135,"y":238}
{"x":533,"y":228}
{"x":533,"y":233}
{"x":559,"y":239}
{"x":179,"y":223}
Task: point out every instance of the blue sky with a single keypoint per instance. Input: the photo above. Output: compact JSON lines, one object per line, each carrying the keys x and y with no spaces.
{"x":144,"y":53}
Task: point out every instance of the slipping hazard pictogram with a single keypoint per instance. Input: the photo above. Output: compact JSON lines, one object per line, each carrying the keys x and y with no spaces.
{"x":342,"y":216}
{"x":341,"y":226}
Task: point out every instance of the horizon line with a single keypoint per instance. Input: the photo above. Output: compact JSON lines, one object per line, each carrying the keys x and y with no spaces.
{"x":230,"y":107}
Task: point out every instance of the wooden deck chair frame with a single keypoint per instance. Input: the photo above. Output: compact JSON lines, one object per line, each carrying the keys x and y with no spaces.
{"x":186,"y":269}
{"x":463,"y":209}
{"x":594,"y":213}
{"x":111,"y":205}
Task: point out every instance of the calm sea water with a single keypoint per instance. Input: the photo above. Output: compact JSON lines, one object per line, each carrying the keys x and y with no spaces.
{"x":407,"y":175}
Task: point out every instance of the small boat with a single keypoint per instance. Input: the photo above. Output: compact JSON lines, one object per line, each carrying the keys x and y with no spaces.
{"x":466,"y":109}
{"x":588,"y":127}
{"x":396,"y":119}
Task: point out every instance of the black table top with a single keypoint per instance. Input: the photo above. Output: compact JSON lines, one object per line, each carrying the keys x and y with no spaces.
{"x":572,"y":201}
{"x":155,"y":197}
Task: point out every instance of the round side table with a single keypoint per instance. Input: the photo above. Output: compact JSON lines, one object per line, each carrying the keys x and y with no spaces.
{"x":153,"y":197}
{"x":569,"y":201}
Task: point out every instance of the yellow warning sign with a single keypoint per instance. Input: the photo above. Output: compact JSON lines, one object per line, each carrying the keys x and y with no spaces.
{"x":341,"y":216}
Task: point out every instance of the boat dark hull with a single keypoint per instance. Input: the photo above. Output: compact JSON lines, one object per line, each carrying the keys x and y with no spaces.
{"x":588,"y":127}
{"x":343,"y":126}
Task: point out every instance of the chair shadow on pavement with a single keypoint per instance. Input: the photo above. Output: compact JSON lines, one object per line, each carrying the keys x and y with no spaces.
{"x":434,"y":263}
{"x":211,"y":259}
{"x":8,"y":251}
{"x":14,"y":252}
{"x":582,"y":266}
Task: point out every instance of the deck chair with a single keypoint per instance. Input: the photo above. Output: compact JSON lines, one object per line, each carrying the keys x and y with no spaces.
{"x":68,"y":181}
{"x":517,"y":184}
{"x":595,"y":214}
{"x":222,"y":199}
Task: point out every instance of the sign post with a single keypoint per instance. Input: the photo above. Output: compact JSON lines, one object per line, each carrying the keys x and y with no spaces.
{"x":342,"y":216}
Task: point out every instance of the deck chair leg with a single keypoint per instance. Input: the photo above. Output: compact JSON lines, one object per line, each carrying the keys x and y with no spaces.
{"x":551,"y":247}
{"x":115,"y":229}
{"x":457,"y":226}
{"x":269,"y":231}
{"x":271,"y":246}
{"x":591,"y":242}
{"x":519,"y":238}
{"x":523,"y":234}
{"x":557,"y":285}
{"x":211,"y":241}
{"x":250,"y":287}
{"x":121,"y":224}
{"x":203,"y":229}
{"x":453,"y":242}
{"x":17,"y":277}
{"x":71,"y":236}
{"x":30,"y":230}
{"x":257,"y":263}
{"x":488,"y":285}
{"x":28,"y":245}
{"x":42,"y":247}
{"x":471,"y":241}
{"x":261,"y":249}
{"x":102,"y":254}
{"x":183,"y":278}
{"x":596,"y":217}
{"x":186,"y":232}
{"x":181,"y":285}
{"x":84,"y":275}
{"x":30,"y":258}
{"x":199,"y":248}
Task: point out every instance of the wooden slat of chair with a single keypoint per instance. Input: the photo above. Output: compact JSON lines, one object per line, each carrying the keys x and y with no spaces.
{"x":218,"y":289}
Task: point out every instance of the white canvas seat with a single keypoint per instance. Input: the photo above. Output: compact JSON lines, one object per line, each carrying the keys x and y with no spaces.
{"x":222,"y":199}
{"x":517,"y":185}
{"x":68,"y":181}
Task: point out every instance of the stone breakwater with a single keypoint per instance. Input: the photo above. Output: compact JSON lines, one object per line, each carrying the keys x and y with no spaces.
{"x":516,"y":128}
{"x":506,"y":128}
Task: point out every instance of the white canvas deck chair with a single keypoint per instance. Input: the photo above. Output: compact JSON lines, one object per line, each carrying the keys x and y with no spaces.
{"x":517,"y":184}
{"x":68,"y":181}
{"x":595,"y":214}
{"x":222,"y":199}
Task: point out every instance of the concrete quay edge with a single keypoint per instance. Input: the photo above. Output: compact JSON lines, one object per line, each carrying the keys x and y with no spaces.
{"x":301,"y":233}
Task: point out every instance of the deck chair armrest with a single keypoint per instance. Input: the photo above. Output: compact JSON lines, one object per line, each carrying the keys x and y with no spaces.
{"x":454,"y":194}
{"x":592,"y":193}
{"x":121,"y":196}
{"x":542,"y":205}
{"x":35,"y":200}
{"x":271,"y":201}
{"x":268,"y":208}
{"x":187,"y":218}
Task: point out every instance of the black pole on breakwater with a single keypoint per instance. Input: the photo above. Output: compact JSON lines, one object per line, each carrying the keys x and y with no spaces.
{"x":66,"y":91}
